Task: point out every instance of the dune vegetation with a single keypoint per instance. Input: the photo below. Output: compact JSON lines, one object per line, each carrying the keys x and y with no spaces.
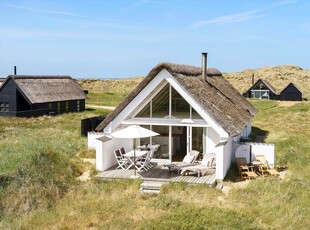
{"x":40,"y":159}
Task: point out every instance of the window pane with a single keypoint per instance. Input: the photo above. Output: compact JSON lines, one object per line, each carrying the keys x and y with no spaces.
{"x":195,"y":115}
{"x":179,"y":107}
{"x":162,"y":140}
{"x":145,"y":112}
{"x":146,"y":140}
{"x":160,"y":104}
{"x":197,"y":139}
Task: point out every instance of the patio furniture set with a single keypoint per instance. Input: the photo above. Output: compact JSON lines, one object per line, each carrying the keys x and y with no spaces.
{"x":258,"y":167}
{"x":139,"y":159}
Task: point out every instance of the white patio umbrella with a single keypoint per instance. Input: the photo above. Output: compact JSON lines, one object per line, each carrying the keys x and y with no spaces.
{"x":134,"y":131}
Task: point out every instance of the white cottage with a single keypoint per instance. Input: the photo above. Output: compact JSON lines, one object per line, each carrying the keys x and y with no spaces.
{"x":191,"y":109}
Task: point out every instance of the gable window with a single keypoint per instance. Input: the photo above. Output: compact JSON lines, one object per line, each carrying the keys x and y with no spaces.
{"x":146,"y":111}
{"x":168,"y":103}
{"x":160,"y":103}
{"x":179,"y":107}
{"x":4,"y":106}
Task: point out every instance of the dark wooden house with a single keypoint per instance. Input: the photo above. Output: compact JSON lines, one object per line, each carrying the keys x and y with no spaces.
{"x":290,"y":93}
{"x":1,"y":81}
{"x":262,"y":89}
{"x":26,"y":96}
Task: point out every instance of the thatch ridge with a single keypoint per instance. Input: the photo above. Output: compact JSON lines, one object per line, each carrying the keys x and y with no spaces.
{"x":222,"y":101}
{"x":40,"y":77}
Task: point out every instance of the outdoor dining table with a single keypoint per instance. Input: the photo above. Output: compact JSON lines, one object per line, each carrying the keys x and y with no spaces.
{"x":130,"y":156}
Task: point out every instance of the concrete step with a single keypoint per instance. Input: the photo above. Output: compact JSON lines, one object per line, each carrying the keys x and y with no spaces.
{"x":151,"y":186}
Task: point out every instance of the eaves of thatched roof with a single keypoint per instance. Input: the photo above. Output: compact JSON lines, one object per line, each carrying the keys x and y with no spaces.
{"x":215,"y":95}
{"x":42,"y":89}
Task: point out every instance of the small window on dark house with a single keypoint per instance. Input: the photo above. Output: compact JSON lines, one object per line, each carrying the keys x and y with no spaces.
{"x":4,"y":107}
{"x":67,"y":106}
{"x":58,"y":107}
{"x":50,"y":105}
{"x":78,"y":106}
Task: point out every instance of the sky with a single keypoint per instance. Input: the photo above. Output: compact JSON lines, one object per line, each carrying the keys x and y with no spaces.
{"x":122,"y":39}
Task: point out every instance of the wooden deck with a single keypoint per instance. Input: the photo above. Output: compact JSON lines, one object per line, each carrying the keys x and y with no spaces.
{"x":158,"y":173}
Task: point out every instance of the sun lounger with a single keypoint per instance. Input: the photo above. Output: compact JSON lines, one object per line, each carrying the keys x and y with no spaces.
{"x":245,"y":171}
{"x":188,"y":160}
{"x":207,"y":165}
{"x":266,"y":169}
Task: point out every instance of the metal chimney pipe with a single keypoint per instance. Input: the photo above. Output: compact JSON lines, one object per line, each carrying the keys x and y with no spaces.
{"x":204,"y":66}
{"x":15,"y":70}
{"x":252,"y":78}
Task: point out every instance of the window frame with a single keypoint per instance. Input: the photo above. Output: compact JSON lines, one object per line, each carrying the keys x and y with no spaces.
{"x":4,"y":106}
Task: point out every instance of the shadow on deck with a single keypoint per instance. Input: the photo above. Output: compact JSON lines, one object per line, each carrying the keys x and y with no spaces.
{"x":158,"y":173}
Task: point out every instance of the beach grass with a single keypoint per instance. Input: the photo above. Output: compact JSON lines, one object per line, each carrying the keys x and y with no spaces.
{"x":41,"y":157}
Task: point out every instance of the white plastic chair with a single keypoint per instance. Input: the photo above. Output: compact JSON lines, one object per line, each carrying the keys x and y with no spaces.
{"x":144,"y":162}
{"x":123,"y":163}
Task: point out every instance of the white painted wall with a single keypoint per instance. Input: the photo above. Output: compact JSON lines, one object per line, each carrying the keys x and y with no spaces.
{"x":105,"y":158}
{"x":227,"y":156}
{"x":212,"y":139}
{"x":92,"y":139}
{"x":223,"y":159}
{"x":219,"y":162}
{"x":249,"y":128}
{"x":264,"y":149}
{"x":246,"y":132}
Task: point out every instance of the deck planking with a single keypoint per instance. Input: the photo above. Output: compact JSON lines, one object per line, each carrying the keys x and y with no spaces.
{"x":158,"y":174}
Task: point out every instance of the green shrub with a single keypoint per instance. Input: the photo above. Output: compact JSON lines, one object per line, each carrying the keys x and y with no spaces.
{"x":38,"y":183}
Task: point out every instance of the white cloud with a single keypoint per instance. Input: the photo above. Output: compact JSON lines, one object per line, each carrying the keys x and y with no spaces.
{"x":44,"y":11}
{"x":240,"y":17}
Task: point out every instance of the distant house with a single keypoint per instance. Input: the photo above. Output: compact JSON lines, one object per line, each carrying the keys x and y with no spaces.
{"x":191,"y":108}
{"x":290,"y":93}
{"x":26,"y":96}
{"x":262,"y":89}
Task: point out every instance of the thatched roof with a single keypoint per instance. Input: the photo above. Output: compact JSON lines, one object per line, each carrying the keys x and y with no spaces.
{"x":288,"y":86}
{"x":215,"y":95}
{"x":42,"y":89}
